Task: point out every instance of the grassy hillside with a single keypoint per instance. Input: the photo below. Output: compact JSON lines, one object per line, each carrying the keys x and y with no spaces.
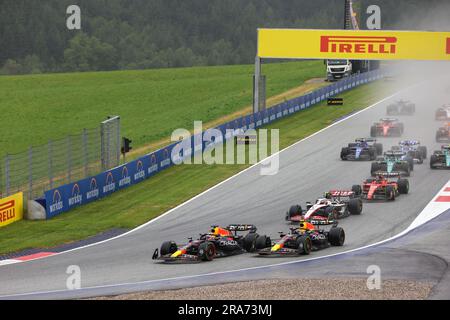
{"x":152,"y":103}
{"x":136,"y":205}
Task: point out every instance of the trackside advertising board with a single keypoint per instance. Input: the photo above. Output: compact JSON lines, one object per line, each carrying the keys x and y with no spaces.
{"x":11,"y":209}
{"x":353,"y":44}
{"x":72,"y":195}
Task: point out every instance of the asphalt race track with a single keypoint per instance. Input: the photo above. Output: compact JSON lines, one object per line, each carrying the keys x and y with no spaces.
{"x":307,"y":169}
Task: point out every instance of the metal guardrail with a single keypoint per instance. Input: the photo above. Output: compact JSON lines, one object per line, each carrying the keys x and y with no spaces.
{"x":61,"y":161}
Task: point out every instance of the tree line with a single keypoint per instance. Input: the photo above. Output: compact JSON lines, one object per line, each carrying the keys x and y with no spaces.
{"x":141,"y":34}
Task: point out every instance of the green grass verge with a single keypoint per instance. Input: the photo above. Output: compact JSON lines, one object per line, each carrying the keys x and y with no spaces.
{"x":152,"y":103}
{"x":138,"y":204}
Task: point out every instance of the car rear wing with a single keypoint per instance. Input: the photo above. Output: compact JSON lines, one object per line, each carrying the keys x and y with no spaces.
{"x":366,"y":140}
{"x":341,"y":194}
{"x":388,"y":119}
{"x":241,"y":227}
{"x":389,"y":174}
{"x":394,"y":153}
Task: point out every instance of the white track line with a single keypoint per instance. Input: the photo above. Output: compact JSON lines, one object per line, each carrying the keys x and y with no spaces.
{"x":230,"y":178}
{"x":143,"y":283}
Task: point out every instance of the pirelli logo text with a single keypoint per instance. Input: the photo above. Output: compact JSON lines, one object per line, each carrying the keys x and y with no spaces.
{"x":11,"y":209}
{"x":7,"y":211}
{"x":358,"y":44}
{"x":448,"y":46}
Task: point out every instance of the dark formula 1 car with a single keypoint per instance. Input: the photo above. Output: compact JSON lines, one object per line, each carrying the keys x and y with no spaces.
{"x":335,"y":205}
{"x":362,"y":149}
{"x":303,"y":240}
{"x":219,"y":242}
{"x":384,"y":188}
{"x":393,"y":163}
{"x":401,"y":107}
{"x":387,"y":127}
{"x":443,"y":133}
{"x":412,"y":149}
{"x":441,"y":158}
{"x":443,"y":113}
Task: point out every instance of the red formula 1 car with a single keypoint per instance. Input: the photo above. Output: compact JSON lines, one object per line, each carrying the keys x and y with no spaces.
{"x":387,"y":127}
{"x":384,"y":187}
{"x":443,"y":113}
{"x":443,"y":133}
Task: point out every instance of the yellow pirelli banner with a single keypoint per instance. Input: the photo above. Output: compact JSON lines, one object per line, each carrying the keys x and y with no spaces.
{"x":353,"y":44}
{"x":11,"y":209}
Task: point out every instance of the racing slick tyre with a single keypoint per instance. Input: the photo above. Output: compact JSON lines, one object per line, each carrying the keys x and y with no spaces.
{"x":373,"y":131}
{"x":293,"y":211}
{"x":411,"y":163}
{"x":344,"y":153}
{"x":168,"y":247}
{"x":390,"y":193}
{"x":374,"y":168}
{"x":336,"y":236}
{"x":262,"y":242}
{"x":206,"y":251}
{"x":355,"y":206}
{"x":356,"y":188}
{"x":419,"y":157}
{"x":433,"y":160}
{"x":404,"y":167}
{"x":372,"y":154}
{"x":403,"y":186}
{"x":379,"y":148}
{"x":304,"y":244}
{"x":423,"y":151}
{"x":250,"y":242}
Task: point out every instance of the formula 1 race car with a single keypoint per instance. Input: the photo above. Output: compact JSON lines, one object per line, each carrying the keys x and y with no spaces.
{"x":412,"y":149}
{"x":384,"y":188}
{"x":394,"y":162}
{"x":303,"y":240}
{"x":441,"y":158}
{"x":443,"y":133}
{"x":387,"y":127}
{"x":443,"y":113}
{"x":335,"y":205}
{"x":362,"y":149}
{"x":219,"y":242}
{"x":401,"y":107}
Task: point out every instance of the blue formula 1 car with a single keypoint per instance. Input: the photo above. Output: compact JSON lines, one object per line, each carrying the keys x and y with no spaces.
{"x":412,"y":149}
{"x":362,"y":149}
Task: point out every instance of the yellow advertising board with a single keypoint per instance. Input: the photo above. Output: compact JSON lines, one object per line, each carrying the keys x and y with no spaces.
{"x":11,"y":209}
{"x":353,"y":44}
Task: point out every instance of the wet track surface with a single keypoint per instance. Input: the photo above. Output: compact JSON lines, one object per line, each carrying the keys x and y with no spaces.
{"x":307,"y":169}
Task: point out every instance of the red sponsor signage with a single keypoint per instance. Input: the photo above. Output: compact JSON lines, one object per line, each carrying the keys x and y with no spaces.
{"x":448,"y":46}
{"x":7,"y":211}
{"x":358,"y":44}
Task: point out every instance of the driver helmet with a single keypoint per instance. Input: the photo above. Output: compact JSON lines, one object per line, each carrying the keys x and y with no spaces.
{"x":306,"y":226}
{"x":218,"y":231}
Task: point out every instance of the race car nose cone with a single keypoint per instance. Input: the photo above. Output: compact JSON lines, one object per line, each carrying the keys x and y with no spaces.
{"x":176,"y":254}
{"x":275,"y":248}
